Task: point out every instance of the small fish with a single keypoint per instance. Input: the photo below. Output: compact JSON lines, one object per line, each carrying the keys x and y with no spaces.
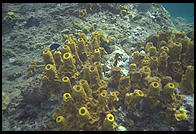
{"x":54,"y":47}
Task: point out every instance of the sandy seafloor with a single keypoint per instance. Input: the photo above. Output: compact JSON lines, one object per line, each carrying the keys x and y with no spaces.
{"x":41,"y":25}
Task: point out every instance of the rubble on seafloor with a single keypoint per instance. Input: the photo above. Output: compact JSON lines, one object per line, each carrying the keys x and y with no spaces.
{"x":128,"y":27}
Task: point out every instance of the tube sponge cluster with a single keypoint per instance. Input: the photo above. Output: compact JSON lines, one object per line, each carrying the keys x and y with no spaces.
{"x":75,"y":72}
{"x":167,"y":65}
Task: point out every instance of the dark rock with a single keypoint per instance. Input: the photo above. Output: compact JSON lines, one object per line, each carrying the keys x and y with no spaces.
{"x":32,"y":21}
{"x":191,"y":35}
{"x":17,"y":63}
{"x":13,"y":76}
{"x":22,"y":46}
{"x":33,"y":94}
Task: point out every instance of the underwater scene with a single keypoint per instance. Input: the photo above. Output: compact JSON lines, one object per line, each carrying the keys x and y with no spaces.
{"x":97,"y":67}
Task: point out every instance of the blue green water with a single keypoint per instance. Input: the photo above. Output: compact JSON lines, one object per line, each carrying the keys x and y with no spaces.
{"x":184,"y":10}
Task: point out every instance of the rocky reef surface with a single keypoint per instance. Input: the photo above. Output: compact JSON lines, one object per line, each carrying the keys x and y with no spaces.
{"x":28,"y":107}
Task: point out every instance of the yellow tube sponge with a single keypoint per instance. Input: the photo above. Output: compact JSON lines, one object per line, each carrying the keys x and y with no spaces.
{"x":133,"y":99}
{"x":175,"y":51}
{"x":51,"y":71}
{"x":154,"y":65}
{"x":103,"y":101}
{"x":68,"y":104}
{"x":164,"y":48}
{"x":61,"y":123}
{"x":153,"y":102}
{"x":154,"y":90}
{"x":67,"y":99}
{"x":84,"y":114}
{"x":148,"y":45}
{"x":82,"y":49}
{"x":132,"y":67}
{"x":188,"y":54}
{"x":84,"y":117}
{"x":115,"y":77}
{"x":86,"y":73}
{"x":139,"y":93}
{"x":68,"y":59}
{"x":161,"y":43}
{"x":109,"y":124}
{"x":86,"y":87}
{"x":169,"y":88}
{"x":152,"y":51}
{"x":100,"y":69}
{"x":113,"y":98}
{"x":79,"y":94}
{"x":58,"y":59}
{"x":165,"y":80}
{"x":95,"y":42}
{"x":65,"y":49}
{"x":66,"y":84}
{"x":135,"y":78}
{"x":180,"y":114}
{"x":163,"y":63}
{"x":137,"y":57}
{"x":145,"y":71}
{"x":187,"y":80}
{"x":97,"y":55}
{"x":176,"y":70}
{"x":71,"y":43}
{"x":94,"y":77}
{"x":48,"y":57}
{"x":169,"y":93}
{"x":69,"y":67}
{"x":103,"y":97}
{"x":124,"y":85}
{"x":83,"y":36}
{"x":103,"y":85}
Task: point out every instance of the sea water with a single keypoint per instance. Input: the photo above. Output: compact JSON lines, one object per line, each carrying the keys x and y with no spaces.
{"x":184,"y":10}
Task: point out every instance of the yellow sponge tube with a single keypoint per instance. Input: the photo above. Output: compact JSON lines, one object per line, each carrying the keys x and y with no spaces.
{"x":97,"y":55}
{"x":79,"y":93}
{"x":68,"y":59}
{"x":100,"y":69}
{"x":84,"y":114}
{"x":152,"y":51}
{"x":67,"y":97}
{"x":180,"y":114}
{"x":169,"y":88}
{"x":66,"y":84}
{"x":94,"y":75}
{"x":58,"y":59}
{"x":154,"y":89}
{"x":48,"y":57}
{"x":86,"y":87}
{"x":61,"y":122}
{"x":108,"y":124}
{"x":65,"y":49}
{"x":51,"y":71}
{"x":132,"y":67}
